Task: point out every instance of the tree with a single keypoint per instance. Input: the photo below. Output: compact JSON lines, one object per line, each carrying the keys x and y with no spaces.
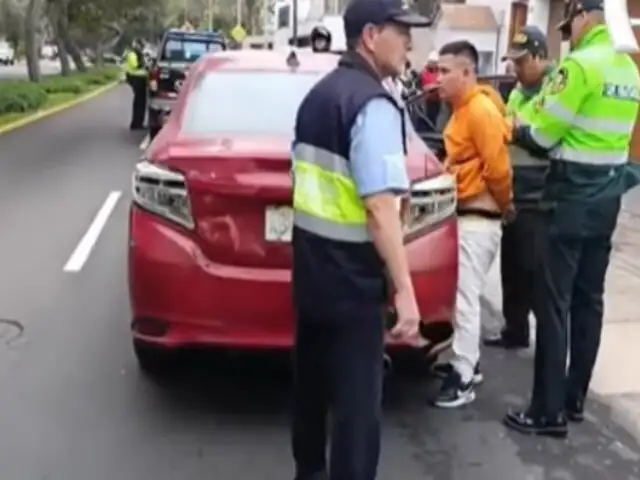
{"x":11,"y":22}
{"x":31,"y":50}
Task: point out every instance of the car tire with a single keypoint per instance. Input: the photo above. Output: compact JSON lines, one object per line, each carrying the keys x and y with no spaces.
{"x":152,"y":360}
{"x":153,"y":132}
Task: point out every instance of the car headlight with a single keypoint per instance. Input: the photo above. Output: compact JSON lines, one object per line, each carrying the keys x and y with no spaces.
{"x":163,"y":192}
{"x":432,"y":201}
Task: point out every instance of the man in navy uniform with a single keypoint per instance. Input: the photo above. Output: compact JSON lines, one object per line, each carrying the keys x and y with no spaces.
{"x":349,"y":174}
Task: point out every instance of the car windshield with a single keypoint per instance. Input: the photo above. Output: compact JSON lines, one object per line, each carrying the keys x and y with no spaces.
{"x":189,"y":48}
{"x":246,"y":102}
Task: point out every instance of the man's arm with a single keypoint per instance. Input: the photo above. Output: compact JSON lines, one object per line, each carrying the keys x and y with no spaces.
{"x":556,"y":109}
{"x":379,"y":170}
{"x":489,"y":133}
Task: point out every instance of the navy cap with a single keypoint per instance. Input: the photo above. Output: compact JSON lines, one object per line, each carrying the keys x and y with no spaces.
{"x":360,"y":13}
{"x":528,"y":40}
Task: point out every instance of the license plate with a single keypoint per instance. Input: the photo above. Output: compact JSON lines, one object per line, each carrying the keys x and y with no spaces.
{"x":278,"y":224}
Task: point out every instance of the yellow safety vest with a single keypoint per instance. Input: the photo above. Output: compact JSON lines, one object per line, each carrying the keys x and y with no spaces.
{"x":325,"y":197}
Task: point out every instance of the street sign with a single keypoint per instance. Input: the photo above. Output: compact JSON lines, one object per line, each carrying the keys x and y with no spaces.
{"x":238,"y":33}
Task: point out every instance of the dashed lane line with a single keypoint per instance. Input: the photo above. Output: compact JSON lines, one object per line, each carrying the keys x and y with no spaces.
{"x":82,"y":251}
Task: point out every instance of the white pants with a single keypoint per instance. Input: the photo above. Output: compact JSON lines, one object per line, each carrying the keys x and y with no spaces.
{"x":479,"y":241}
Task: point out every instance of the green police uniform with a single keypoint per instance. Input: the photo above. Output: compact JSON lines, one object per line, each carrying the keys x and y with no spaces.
{"x":583,"y":121}
{"x":522,"y":238}
{"x":136,"y":75}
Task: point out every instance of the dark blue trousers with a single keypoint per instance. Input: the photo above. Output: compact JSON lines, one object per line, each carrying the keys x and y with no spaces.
{"x":338,"y":377}
{"x":569,"y":308}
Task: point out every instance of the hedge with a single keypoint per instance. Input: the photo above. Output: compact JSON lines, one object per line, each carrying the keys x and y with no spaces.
{"x":24,"y":96}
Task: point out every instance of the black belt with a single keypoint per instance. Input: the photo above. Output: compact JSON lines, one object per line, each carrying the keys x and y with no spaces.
{"x":479,"y":212}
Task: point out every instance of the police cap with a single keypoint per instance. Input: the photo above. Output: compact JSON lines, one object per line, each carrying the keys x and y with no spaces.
{"x":530,"y":40}
{"x":573,"y":8}
{"x":360,"y":13}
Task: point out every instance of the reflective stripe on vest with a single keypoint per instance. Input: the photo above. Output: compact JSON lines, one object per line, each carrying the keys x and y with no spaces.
{"x":325,"y":198}
{"x":523,"y":109}
{"x":600,"y":126}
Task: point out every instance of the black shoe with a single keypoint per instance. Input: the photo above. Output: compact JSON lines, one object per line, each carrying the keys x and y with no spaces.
{"x":134,"y":128}
{"x":498,"y":341}
{"x":443,"y":370}
{"x":574,"y":410}
{"x":314,"y":476}
{"x":454,"y":393}
{"x":527,"y":423}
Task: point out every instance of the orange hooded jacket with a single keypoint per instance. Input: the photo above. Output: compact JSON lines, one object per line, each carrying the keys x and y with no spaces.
{"x":476,"y":138}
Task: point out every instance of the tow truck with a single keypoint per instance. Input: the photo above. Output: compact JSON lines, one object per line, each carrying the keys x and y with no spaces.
{"x":178,"y":50}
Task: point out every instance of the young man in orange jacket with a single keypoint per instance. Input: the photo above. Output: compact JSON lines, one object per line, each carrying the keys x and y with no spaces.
{"x":477,"y":155}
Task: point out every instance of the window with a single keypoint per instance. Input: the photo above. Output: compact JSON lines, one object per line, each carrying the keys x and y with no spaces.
{"x":189,"y":49}
{"x":246,"y":102}
{"x":284,"y":13}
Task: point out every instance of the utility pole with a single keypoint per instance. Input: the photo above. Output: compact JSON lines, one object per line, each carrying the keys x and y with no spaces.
{"x":294,"y":24}
{"x":210,"y":15}
{"x":238,"y":12}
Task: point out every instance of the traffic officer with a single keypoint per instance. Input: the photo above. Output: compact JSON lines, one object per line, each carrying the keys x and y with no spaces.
{"x":349,"y":171}
{"x":521,"y":239}
{"x":136,"y":76}
{"x":583,"y":122}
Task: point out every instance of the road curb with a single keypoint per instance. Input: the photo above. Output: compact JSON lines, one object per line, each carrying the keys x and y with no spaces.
{"x":23,"y":122}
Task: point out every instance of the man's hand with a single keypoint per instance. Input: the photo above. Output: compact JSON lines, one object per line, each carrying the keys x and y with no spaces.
{"x":509,"y":214}
{"x":407,"y":326}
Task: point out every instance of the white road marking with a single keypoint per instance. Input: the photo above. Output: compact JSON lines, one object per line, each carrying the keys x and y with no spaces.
{"x":145,"y":142}
{"x":83,"y":249}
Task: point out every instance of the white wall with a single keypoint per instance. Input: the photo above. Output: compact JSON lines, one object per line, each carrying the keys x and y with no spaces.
{"x":539,"y":14}
{"x":501,"y":11}
{"x":484,"y":41}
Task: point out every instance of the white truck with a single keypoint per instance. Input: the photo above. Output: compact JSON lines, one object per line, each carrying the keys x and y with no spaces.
{"x":7,"y":53}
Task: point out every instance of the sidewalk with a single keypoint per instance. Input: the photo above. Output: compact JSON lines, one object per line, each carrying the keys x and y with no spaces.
{"x":616,"y":379}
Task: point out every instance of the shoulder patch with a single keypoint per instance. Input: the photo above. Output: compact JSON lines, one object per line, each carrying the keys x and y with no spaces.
{"x":559,"y":81}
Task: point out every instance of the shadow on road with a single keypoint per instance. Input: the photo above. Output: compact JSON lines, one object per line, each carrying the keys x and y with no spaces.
{"x":253,"y":391}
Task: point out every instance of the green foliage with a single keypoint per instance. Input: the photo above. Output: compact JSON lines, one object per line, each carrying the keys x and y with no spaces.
{"x":24,"y":96}
{"x":11,"y":21}
{"x":20,"y":97}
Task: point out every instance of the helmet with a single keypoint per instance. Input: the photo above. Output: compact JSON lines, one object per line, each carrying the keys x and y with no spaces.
{"x":320,"y":38}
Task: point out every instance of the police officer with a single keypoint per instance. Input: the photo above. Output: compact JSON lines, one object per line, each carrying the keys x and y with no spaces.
{"x":349,"y":169}
{"x":521,"y":239}
{"x":136,"y":75}
{"x":583,"y":122}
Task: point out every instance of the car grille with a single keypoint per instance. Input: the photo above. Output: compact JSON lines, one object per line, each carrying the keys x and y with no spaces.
{"x":432,"y":201}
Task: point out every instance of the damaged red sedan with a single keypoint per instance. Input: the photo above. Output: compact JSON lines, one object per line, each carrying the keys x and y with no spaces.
{"x":211,"y":219}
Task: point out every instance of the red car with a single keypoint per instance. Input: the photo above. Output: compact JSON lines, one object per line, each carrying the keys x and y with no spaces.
{"x":210,"y":222}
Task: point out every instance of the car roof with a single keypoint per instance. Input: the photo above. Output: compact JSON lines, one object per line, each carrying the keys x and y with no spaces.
{"x":176,"y":32}
{"x":268,"y":60}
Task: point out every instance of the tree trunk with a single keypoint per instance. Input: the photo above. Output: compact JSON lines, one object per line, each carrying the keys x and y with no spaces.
{"x":63,"y":55}
{"x":31,"y":41}
{"x":63,"y":37}
{"x":74,"y":53}
{"x":57,"y":17}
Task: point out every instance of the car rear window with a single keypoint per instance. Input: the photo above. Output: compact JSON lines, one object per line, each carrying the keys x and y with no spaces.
{"x":189,"y":48}
{"x":246,"y":102}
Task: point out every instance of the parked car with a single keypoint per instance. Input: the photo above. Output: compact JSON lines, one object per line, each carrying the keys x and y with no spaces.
{"x":178,"y":50}
{"x":211,"y":219}
{"x":7,"y":54}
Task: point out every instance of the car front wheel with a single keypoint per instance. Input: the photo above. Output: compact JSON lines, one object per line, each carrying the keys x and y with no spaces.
{"x":152,"y":360}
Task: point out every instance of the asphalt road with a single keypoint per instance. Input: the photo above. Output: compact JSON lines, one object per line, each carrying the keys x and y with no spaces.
{"x":73,"y":405}
{"x":19,"y":70}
